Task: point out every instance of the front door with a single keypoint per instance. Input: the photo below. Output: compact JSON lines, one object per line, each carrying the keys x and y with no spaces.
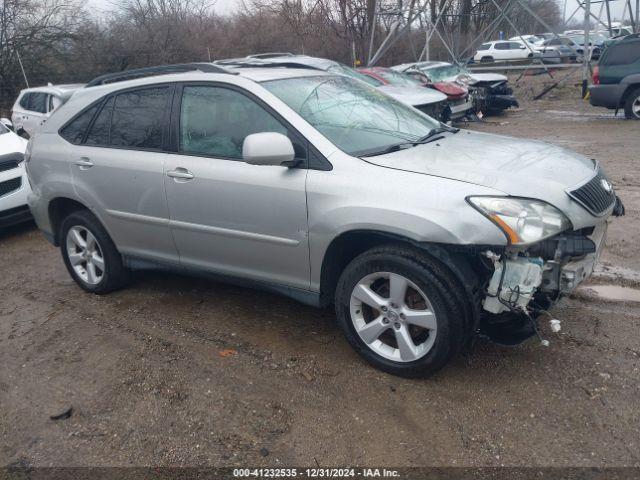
{"x":228,"y":216}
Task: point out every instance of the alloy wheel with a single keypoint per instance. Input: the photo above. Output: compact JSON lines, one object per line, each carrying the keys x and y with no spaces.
{"x":635,"y":107}
{"x":85,"y":255}
{"x":393,"y":316}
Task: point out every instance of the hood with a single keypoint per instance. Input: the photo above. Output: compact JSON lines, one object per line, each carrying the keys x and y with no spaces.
{"x":413,"y":95}
{"x":12,"y":143}
{"x":487,"y":77}
{"x":525,"y":168}
{"x":450,"y":88}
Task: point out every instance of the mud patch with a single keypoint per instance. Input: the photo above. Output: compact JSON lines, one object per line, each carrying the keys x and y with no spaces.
{"x":616,"y":293}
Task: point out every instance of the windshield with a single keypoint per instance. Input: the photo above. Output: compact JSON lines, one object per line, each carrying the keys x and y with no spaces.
{"x":353,"y":73}
{"x":358,"y":119}
{"x":440,"y":74}
{"x":400,"y":79}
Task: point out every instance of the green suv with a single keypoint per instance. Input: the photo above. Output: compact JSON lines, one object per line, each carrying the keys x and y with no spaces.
{"x":616,"y":78}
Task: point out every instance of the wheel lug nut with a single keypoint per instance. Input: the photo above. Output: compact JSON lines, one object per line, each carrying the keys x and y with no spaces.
{"x":397,"y":326}
{"x":385,"y":320}
{"x":403,"y":316}
{"x":384,"y":309}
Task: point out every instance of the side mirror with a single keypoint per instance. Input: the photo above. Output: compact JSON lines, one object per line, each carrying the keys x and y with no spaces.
{"x":7,"y":123}
{"x":522,"y":47}
{"x":268,"y":148}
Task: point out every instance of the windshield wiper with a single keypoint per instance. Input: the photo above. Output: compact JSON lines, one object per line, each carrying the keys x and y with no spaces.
{"x":433,"y":135}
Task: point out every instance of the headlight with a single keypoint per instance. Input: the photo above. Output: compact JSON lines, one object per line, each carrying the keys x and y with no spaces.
{"x":522,"y":220}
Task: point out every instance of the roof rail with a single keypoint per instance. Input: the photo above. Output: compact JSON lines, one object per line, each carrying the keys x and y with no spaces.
{"x":271,"y":55}
{"x":262,"y":63}
{"x":159,"y":70}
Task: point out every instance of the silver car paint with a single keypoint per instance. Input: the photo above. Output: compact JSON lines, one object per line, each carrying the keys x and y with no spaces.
{"x":418,"y":193}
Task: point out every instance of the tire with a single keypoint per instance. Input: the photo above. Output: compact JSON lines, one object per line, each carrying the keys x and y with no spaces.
{"x":433,"y":346}
{"x":632,"y":105}
{"x":486,"y":59}
{"x":99,"y":259}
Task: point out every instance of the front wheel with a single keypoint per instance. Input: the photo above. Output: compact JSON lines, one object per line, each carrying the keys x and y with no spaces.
{"x":90,"y":255}
{"x":632,"y":105}
{"x":397,"y":311}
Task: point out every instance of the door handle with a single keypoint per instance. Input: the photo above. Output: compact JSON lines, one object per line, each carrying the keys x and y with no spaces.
{"x":84,"y":163}
{"x":181,"y":173}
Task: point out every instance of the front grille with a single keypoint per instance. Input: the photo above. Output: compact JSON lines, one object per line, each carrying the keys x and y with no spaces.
{"x":10,"y":185}
{"x":594,"y":196}
{"x":10,"y":161}
{"x":4,"y":166}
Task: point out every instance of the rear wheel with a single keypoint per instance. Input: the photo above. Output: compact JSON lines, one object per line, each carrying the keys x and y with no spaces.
{"x":396,"y":310}
{"x":486,"y":59}
{"x":90,"y":255}
{"x":632,"y":105}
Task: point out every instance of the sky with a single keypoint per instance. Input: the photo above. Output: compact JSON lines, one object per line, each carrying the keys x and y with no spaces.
{"x":228,"y":6}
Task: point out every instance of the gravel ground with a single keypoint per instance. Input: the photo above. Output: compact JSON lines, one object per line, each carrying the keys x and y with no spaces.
{"x":178,"y":371}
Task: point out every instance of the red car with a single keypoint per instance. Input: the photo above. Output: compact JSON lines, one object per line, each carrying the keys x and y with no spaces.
{"x":458,"y":96}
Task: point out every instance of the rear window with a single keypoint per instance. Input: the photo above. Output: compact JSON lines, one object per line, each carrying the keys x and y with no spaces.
{"x":484,"y":46}
{"x":622,"y":54}
{"x":74,"y":131}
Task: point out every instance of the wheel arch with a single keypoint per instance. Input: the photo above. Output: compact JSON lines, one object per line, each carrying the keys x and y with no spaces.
{"x":461,"y":261}
{"x":630,"y":87}
{"x":58,"y":209}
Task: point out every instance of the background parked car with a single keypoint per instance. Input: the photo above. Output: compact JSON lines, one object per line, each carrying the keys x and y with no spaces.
{"x":14,"y":186}
{"x":616,"y":78}
{"x":566,"y":48}
{"x":34,"y":105}
{"x":460,"y":102}
{"x":491,"y":93}
{"x":503,"y":50}
{"x":431,"y":102}
{"x":527,"y":39}
{"x":596,"y":42}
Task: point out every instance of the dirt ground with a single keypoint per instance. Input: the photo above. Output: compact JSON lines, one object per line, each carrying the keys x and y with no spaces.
{"x":180,"y":371}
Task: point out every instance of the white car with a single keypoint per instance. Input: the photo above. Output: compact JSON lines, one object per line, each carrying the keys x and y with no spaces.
{"x":14,"y":186}
{"x":34,"y":105}
{"x":527,"y":39}
{"x":502,"y":50}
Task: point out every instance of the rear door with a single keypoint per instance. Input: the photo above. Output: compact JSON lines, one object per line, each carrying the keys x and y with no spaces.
{"x":118,"y":169}
{"x":228,"y":216}
{"x":36,"y":111}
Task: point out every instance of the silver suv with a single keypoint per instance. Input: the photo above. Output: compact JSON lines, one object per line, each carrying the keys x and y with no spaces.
{"x":324,"y":189}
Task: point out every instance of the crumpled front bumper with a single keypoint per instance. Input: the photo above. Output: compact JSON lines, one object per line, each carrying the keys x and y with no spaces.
{"x":538,"y":276}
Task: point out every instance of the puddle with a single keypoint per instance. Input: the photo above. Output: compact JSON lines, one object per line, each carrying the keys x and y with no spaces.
{"x":616,"y":293}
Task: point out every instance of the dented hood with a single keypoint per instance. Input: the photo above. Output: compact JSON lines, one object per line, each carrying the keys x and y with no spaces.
{"x":414,"y":96}
{"x":525,"y":168}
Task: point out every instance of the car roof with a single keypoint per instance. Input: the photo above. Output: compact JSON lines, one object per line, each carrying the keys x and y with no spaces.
{"x":60,"y":90}
{"x":265,"y":74}
{"x":288,"y":60}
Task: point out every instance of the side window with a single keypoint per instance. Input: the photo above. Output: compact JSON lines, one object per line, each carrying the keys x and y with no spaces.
{"x":38,"y":102}
{"x":138,"y":118}
{"x":215,"y":121}
{"x":99,"y":133}
{"x":622,"y":54}
{"x":131,"y":119}
{"x":74,"y":131}
{"x":502,"y":46}
{"x":515,"y":45}
{"x":24,"y":101}
{"x":484,"y":46}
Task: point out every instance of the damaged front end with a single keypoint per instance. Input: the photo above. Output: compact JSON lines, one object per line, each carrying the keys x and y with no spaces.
{"x":492,"y":97}
{"x":544,"y":260}
{"x":526,"y":282}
